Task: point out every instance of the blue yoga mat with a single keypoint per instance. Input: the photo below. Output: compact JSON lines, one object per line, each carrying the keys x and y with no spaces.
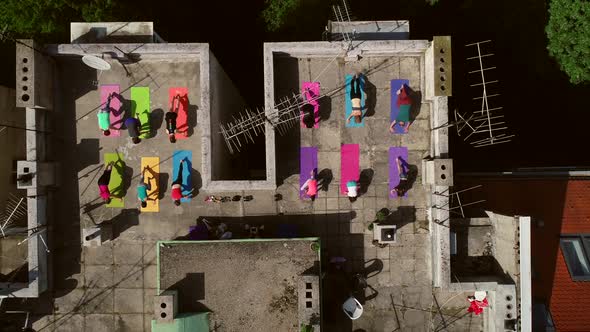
{"x":396,"y":85}
{"x":186,"y":171}
{"x":352,"y":123}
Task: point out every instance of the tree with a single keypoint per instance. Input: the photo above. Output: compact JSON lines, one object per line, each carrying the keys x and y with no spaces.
{"x":276,"y":12}
{"x":568,"y":31}
{"x":50,"y":18}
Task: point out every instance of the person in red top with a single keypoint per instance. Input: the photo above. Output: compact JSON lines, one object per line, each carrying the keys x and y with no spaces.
{"x":103,"y":183}
{"x":311,"y":186}
{"x":177,"y":186}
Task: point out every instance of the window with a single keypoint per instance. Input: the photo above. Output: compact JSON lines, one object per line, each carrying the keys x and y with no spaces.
{"x":575,"y":250}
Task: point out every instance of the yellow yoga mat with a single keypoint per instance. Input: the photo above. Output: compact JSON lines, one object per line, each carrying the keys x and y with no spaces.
{"x":152,"y":174}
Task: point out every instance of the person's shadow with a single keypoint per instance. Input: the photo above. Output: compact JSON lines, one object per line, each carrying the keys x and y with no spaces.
{"x":154,"y":181}
{"x":371,"y":97}
{"x":124,"y":110}
{"x":365,"y":179}
{"x":416,"y":97}
{"x":325,"y":178}
{"x":156,"y":120}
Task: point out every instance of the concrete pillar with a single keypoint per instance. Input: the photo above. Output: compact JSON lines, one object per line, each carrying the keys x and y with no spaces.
{"x":34,"y":76}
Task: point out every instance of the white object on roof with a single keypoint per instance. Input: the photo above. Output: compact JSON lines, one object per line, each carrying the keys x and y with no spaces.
{"x":95,"y":62}
{"x":480,"y":295}
{"x":352,"y":308}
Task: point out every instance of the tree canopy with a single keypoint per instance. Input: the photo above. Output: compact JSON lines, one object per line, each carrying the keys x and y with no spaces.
{"x":276,"y":12}
{"x":45,"y":18}
{"x":568,"y":32}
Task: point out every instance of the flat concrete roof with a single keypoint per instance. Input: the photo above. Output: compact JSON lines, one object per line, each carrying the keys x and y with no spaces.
{"x":248,"y":285}
{"x":79,"y":97}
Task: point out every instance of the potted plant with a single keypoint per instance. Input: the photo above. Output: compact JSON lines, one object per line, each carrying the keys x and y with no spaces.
{"x":382,"y":215}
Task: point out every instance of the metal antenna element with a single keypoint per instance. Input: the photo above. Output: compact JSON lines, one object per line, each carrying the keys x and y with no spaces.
{"x":342,"y":15}
{"x":455,"y":202}
{"x":485,"y":126}
{"x":16,"y":209}
{"x":249,"y":124}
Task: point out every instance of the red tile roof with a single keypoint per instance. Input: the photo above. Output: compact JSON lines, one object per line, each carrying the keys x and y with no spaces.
{"x":564,"y":207}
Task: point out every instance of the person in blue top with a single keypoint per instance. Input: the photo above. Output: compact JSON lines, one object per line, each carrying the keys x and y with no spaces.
{"x":104,"y":117}
{"x":134,"y":128}
{"x":142,"y":189}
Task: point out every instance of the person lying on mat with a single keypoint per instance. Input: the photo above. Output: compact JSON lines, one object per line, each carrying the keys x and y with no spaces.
{"x":402,"y":171}
{"x":104,"y":117}
{"x":177,"y":186}
{"x":355,"y":99}
{"x":133,"y":127}
{"x":352,"y":190}
{"x":170,"y":118}
{"x":103,"y":183}
{"x":142,"y":189}
{"x":404,"y":103}
{"x":311,"y":186}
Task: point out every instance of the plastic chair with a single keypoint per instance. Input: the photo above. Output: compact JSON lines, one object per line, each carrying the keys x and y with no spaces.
{"x":352,"y":308}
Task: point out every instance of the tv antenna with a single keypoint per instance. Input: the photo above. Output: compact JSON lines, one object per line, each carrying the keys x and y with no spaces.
{"x":342,"y":16}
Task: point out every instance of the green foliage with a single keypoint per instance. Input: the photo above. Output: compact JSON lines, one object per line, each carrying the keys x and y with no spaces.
{"x":306,"y":328}
{"x":382,"y":215}
{"x":315,"y":246}
{"x":276,"y":12}
{"x":44,"y":18}
{"x":568,"y":31}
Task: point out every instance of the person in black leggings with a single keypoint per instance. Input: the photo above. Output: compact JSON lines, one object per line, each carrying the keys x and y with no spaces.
{"x":355,"y":98}
{"x":170,"y":118}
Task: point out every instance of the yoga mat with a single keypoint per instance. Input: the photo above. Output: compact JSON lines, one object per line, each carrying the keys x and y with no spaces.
{"x":396,"y":85}
{"x":140,"y":97}
{"x":186,"y":171}
{"x":116,"y":184}
{"x":152,"y":174}
{"x":182,"y":118}
{"x":352,"y":123}
{"x":349,"y":165}
{"x":395,"y":152}
{"x":312,"y":90}
{"x":116,"y":115}
{"x":308,"y":161}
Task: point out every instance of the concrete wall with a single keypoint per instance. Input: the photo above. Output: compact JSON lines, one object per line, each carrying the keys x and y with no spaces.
{"x":225,"y":100}
{"x":12,"y":142}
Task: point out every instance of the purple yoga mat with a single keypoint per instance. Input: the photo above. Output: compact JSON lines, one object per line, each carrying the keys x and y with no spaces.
{"x":349,"y":165}
{"x":308,"y":161}
{"x":396,"y":85}
{"x":395,"y":152}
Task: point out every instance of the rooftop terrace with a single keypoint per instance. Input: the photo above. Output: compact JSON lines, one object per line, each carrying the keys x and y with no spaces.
{"x":247,"y":286}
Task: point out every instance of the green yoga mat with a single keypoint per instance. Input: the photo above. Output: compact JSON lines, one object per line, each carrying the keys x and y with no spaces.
{"x":140,"y":99}
{"x":116,"y":184}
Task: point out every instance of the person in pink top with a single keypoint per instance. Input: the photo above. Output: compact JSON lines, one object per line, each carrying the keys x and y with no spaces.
{"x":103,"y":183}
{"x":311,"y":186}
{"x":176,"y":192}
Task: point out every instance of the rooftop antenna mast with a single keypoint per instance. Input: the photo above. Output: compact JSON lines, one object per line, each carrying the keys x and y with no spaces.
{"x":16,"y":209}
{"x":487,"y":122}
{"x":455,"y":205}
{"x":249,"y":124}
{"x":342,"y":15}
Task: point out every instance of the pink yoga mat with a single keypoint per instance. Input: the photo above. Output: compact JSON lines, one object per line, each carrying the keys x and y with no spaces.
{"x":395,"y":152}
{"x":311,"y":91}
{"x":308,"y":159}
{"x":349,"y":165}
{"x":116,"y":112}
